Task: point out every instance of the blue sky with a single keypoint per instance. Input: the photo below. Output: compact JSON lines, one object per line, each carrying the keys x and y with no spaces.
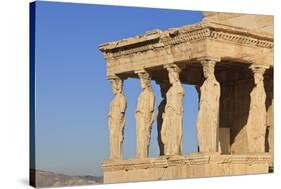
{"x":72,"y":93}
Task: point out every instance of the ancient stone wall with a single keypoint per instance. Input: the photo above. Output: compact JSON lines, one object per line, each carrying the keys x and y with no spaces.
{"x":250,"y":21}
{"x":229,"y":58}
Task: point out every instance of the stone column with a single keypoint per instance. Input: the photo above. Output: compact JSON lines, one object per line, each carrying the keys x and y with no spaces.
{"x":171,"y":132}
{"x":145,"y":115}
{"x":270,"y":127}
{"x":164,"y":87}
{"x":256,"y":124}
{"x":208,"y":115}
{"x":116,"y":118}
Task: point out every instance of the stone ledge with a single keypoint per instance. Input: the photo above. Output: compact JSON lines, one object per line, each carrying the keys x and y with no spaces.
{"x":194,"y":159}
{"x":190,"y":166}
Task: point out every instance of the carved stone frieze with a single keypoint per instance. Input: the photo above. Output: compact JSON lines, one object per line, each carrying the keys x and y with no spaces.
{"x":189,"y":160}
{"x":195,"y":32}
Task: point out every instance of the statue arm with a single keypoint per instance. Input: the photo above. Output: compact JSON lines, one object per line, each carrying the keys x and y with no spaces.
{"x":163,"y":131}
{"x":141,"y":100}
{"x":152,"y":103}
{"x":109,"y":116}
{"x":148,"y":107}
{"x":123,"y":105}
{"x":218,"y":91}
{"x":179,"y":101}
{"x":152,"y":109}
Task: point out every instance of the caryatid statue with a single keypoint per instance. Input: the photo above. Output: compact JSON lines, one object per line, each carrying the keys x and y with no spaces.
{"x":116,"y":119}
{"x":256,"y":124}
{"x":171,"y":132}
{"x":145,"y":115}
{"x":164,"y":87}
{"x":208,"y":115}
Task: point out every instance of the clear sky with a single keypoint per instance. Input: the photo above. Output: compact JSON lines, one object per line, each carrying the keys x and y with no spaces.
{"x":72,"y":93}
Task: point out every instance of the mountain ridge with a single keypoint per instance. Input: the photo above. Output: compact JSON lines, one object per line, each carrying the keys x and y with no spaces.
{"x":42,"y":178}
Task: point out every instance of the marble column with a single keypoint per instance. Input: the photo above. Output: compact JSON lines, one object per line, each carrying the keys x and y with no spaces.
{"x":116,"y":118}
{"x":164,"y":87}
{"x":171,"y":132}
{"x":256,"y":124}
{"x":208,"y":115}
{"x":145,"y":115}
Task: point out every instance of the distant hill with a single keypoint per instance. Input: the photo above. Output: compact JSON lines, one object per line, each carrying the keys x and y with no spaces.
{"x":39,"y":178}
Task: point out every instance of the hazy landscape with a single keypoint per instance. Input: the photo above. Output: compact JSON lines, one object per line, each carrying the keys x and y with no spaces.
{"x":51,"y":179}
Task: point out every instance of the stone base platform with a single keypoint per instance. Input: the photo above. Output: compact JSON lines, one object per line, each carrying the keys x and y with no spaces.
{"x":190,"y":166}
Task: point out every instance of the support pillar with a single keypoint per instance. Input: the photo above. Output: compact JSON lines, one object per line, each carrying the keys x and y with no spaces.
{"x":208,"y":116}
{"x":116,"y":118}
{"x":171,"y":132}
{"x":145,"y":115}
{"x":256,"y":124}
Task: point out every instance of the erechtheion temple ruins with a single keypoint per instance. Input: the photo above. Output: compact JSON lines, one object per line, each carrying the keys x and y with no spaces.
{"x":229,"y":58}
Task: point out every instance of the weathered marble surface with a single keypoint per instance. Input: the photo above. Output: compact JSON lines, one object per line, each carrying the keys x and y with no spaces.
{"x":178,"y":167}
{"x":235,"y":119}
{"x":116,"y":119}
{"x":171,"y":132}
{"x":228,"y":40}
{"x":208,"y":115}
{"x":256,"y":124}
{"x":145,"y":115}
{"x":262,"y":23}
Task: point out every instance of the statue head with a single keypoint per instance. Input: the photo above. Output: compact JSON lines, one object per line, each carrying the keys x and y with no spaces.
{"x":258,"y":71}
{"x":145,"y":83}
{"x":208,"y":69}
{"x":117,"y":86}
{"x":144,"y":79}
{"x":173,"y":74}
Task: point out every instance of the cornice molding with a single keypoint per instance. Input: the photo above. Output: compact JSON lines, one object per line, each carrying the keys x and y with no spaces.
{"x":171,"y":37}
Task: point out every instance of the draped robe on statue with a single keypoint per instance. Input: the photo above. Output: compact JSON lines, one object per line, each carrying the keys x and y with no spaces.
{"x":208,"y":116}
{"x":256,"y":124}
{"x":144,"y":119}
{"x":116,"y":123}
{"x":171,"y":132}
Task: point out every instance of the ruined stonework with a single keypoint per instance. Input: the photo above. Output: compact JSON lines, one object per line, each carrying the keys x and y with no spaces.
{"x":229,"y":59}
{"x":256,"y":124}
{"x":171,"y":132}
{"x":116,"y":119}
{"x":208,"y":116}
{"x":145,"y":115}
